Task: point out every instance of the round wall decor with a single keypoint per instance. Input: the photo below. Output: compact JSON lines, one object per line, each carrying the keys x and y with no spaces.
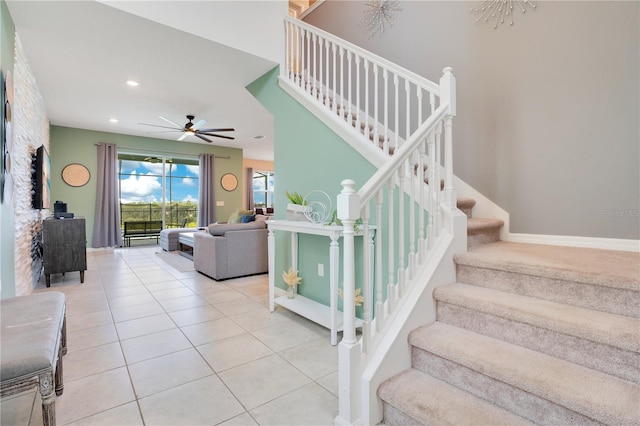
{"x":229,"y":182}
{"x":75,"y":174}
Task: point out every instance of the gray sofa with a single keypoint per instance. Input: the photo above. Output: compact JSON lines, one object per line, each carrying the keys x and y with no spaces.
{"x":231,"y":250}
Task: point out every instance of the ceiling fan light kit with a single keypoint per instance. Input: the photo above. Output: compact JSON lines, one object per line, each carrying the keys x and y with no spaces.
{"x":194,"y":129}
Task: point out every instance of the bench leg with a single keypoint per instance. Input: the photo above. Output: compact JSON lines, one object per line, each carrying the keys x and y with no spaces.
{"x":59,"y":380}
{"x":63,"y":337}
{"x":48,"y":399}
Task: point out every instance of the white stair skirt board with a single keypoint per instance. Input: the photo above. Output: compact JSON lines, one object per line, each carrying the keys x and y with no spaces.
{"x":574,"y":241}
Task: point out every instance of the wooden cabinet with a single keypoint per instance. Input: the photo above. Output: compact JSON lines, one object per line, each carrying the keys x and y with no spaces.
{"x":64,"y":247}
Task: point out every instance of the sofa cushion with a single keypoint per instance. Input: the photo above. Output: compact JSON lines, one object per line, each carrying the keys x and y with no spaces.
{"x":246,"y":218}
{"x":262,"y":217}
{"x":236,"y":216}
{"x":218,"y":229}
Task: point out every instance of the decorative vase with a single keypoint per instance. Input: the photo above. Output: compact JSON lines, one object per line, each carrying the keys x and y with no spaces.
{"x":291,"y":291}
{"x":297,"y":212}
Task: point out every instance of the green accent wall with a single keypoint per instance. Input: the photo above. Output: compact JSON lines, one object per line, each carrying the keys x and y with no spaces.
{"x":69,"y":145}
{"x":7,"y":224}
{"x":308,"y":155}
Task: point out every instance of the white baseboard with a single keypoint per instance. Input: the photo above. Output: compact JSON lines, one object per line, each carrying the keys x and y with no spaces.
{"x":571,"y":241}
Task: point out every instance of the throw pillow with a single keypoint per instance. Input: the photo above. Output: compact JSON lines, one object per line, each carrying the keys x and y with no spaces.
{"x":234,"y":218}
{"x":248,"y":218}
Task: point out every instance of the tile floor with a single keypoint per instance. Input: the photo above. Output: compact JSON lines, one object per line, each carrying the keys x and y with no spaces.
{"x":154,"y":344}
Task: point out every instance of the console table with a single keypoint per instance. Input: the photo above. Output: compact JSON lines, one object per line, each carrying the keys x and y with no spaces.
{"x":64,"y":247}
{"x":327,"y":316}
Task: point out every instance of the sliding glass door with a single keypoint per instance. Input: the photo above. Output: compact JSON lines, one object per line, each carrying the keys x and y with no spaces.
{"x":158,"y":187}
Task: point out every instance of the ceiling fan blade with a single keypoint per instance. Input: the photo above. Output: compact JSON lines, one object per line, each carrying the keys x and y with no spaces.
{"x":214,"y":135}
{"x":177,"y":129}
{"x":217,"y":130}
{"x":170,"y":122}
{"x":184,"y":135}
{"x":202,"y":137}
{"x":198,"y":124}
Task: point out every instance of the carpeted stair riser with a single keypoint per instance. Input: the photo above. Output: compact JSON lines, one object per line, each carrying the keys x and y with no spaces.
{"x":531,"y":407}
{"x":590,"y":296}
{"x":541,"y":388}
{"x":415,"y":398}
{"x":483,"y":231}
{"x":598,"y":356}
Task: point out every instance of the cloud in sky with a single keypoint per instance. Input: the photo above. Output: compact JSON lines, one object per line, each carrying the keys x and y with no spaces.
{"x":189,"y":181}
{"x":190,"y":198}
{"x":138,"y":188}
{"x":194,"y":169}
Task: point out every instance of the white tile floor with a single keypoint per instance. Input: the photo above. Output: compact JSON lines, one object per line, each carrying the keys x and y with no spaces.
{"x":149,"y":344}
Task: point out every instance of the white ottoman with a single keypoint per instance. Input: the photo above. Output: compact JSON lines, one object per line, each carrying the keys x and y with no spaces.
{"x":169,"y":237}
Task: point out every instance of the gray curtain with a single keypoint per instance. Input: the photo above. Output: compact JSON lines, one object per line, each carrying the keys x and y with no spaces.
{"x":106,"y":226}
{"x":249,"y":187}
{"x":206,"y":196}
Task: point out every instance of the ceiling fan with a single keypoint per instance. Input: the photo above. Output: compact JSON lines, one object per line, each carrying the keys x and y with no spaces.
{"x":193,"y":129}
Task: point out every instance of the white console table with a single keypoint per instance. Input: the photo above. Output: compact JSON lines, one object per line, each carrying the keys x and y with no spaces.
{"x":327,"y":316}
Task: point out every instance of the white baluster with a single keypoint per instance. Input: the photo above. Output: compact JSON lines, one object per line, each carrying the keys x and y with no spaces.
{"x":431,"y":233}
{"x":422,"y":237}
{"x":299,"y":57}
{"x":391,"y":282}
{"x":307,"y":74}
{"x":365,"y":131}
{"x":385,"y":143}
{"x":407,"y":93}
{"x":335,"y":88}
{"x":287,"y":46}
{"x":350,"y":78}
{"x":432,"y":102}
{"x":401,"y":216}
{"x":314,"y":91}
{"x":367,"y":281}
{"x":412,"y":214}
{"x":357,"y":125}
{"x":327,"y":89}
{"x":321,"y":93}
{"x":380,"y":319}
{"x":376,"y":139}
{"x":341,"y":112}
{"x":436,"y":182}
{"x":396,"y":106}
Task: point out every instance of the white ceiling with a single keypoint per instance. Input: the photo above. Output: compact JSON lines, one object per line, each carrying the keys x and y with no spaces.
{"x":83,"y":52}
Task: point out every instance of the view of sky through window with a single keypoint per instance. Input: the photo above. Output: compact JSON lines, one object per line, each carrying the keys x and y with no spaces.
{"x":141,"y":182}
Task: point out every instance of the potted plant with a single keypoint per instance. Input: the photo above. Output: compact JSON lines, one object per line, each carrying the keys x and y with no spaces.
{"x":291,"y":279}
{"x":297,"y":206}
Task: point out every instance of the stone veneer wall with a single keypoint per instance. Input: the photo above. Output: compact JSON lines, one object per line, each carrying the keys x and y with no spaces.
{"x":30,"y":129}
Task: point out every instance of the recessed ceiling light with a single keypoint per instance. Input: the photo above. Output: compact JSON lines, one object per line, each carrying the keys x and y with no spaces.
{"x":259,"y":137}
{"x":133,"y":83}
{"x":113,"y":120}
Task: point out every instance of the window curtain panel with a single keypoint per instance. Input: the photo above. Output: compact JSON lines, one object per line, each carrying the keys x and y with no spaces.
{"x":206,"y":195}
{"x":249,"y":188}
{"x":106,"y":226}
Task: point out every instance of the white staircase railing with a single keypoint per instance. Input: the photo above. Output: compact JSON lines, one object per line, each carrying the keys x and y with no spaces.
{"x":408,"y":213}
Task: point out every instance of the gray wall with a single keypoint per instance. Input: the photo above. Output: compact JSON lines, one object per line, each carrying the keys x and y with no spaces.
{"x":548,"y":108}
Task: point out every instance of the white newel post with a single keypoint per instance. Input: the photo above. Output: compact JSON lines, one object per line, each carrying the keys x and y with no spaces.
{"x":349,"y":349}
{"x":448,"y":96}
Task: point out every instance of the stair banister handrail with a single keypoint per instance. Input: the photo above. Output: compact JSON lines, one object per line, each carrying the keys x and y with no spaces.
{"x":368,"y":190}
{"x":372,"y":57}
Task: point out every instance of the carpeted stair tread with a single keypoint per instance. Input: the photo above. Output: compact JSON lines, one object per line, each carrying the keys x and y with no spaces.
{"x":427,"y":400}
{"x":615,"y":269}
{"x":465,"y":203}
{"x":594,"y":394}
{"x":610,"y":329}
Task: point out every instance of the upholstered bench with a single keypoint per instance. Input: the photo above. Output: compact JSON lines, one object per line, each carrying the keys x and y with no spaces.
{"x":33,"y":339}
{"x":169,"y":237}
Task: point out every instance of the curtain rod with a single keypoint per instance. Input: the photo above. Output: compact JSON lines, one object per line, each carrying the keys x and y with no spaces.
{"x":227,"y":157}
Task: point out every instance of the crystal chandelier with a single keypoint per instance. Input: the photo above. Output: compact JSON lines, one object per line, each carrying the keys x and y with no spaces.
{"x":497,"y":11}
{"x":379,"y":15}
